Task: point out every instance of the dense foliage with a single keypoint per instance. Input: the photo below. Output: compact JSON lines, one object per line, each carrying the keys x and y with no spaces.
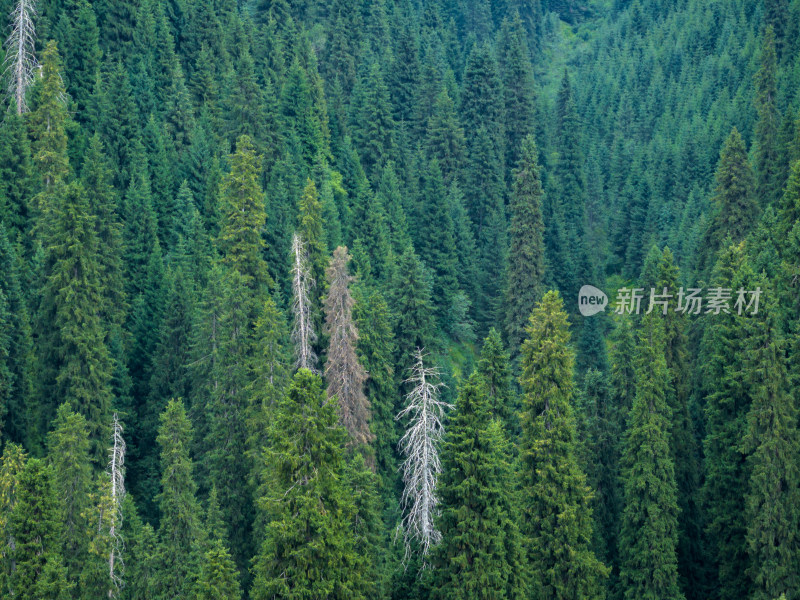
{"x":289,"y":299}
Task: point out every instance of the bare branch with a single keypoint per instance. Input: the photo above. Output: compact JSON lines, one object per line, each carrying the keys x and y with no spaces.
{"x":303,"y":334}
{"x":419,"y":445}
{"x":20,"y":62}
{"x":116,"y":473}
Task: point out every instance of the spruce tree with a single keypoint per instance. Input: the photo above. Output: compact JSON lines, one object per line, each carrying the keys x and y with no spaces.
{"x":727,"y":402}
{"x":649,"y":534}
{"x":308,"y":548}
{"x":772,"y":502}
{"x":72,"y":333}
{"x":526,"y":250}
{"x":179,"y":526}
{"x":766,"y":131}
{"x":495,"y":370}
{"x":35,"y":524}
{"x":414,"y":327}
{"x":735,"y":208}
{"x":481,"y":554}
{"x":243,"y":218}
{"x":556,"y":513}
{"x":376,"y":346}
{"x":68,"y":448}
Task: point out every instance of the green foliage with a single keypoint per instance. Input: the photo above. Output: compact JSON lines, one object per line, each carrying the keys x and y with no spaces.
{"x":309,"y":548}
{"x":557,"y":517}
{"x":481,"y":553}
{"x":526,"y":251}
{"x":649,"y":535}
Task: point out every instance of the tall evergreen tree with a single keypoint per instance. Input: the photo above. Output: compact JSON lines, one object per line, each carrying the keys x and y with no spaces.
{"x":727,"y":402}
{"x":526,"y":250}
{"x":72,"y":335}
{"x":36,"y":526}
{"x":735,"y":208}
{"x":649,"y":535}
{"x":772,"y":503}
{"x":481,"y":554}
{"x":766,"y":132}
{"x":557,"y":517}
{"x":68,"y":448}
{"x":179,"y":527}
{"x":308,"y":549}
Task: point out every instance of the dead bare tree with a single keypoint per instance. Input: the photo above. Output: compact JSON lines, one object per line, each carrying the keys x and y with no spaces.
{"x":345,"y":375}
{"x":116,"y":473}
{"x":303,"y":334}
{"x":419,"y":445}
{"x":20,"y":62}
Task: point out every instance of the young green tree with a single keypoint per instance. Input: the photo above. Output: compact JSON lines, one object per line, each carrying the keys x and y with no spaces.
{"x":526,"y":249}
{"x":556,"y":512}
{"x":308,"y":548}
{"x":481,"y":554}
{"x":240,"y":242}
{"x":68,"y":449}
{"x":735,"y":207}
{"x":495,"y":370}
{"x":649,"y":535}
{"x":414,"y":327}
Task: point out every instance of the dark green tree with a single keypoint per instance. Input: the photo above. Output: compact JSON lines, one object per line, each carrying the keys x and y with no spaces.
{"x":308,"y":550}
{"x":556,"y":513}
{"x":526,"y":249}
{"x":649,"y":533}
{"x":481,"y":554}
{"x":179,"y":526}
{"x":768,"y":178}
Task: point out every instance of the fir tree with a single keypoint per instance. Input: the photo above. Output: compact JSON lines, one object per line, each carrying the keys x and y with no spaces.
{"x":495,"y":371}
{"x":73,"y":336}
{"x":727,"y":402}
{"x":772,"y":500}
{"x":308,"y":549}
{"x":766,"y":132}
{"x":526,"y":250}
{"x":412,"y":305}
{"x":36,"y":525}
{"x":240,"y":242}
{"x":480,"y":554}
{"x":179,"y":527}
{"x":557,"y":517}
{"x":735,"y":208}
{"x":68,"y":447}
{"x":649,"y":535}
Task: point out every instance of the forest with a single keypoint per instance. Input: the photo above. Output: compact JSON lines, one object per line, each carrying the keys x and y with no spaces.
{"x":400,"y":300}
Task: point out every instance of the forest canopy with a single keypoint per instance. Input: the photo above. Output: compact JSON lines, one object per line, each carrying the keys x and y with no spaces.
{"x":293,"y":304}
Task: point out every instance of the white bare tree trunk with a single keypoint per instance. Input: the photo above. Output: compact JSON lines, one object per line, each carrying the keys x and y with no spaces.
{"x":20,"y":63}
{"x":116,"y":472}
{"x":419,"y":446}
{"x":303,"y":334}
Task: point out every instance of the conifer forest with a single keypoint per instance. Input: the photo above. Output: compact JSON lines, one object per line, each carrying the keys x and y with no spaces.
{"x":400,"y":300}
